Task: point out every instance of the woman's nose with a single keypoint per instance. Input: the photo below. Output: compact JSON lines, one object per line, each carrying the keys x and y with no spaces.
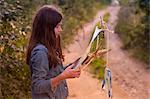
{"x":60,"y":29}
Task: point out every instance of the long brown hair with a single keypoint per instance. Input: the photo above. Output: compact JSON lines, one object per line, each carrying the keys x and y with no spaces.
{"x":44,"y":22}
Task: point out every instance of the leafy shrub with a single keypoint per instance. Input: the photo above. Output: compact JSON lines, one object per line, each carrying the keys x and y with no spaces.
{"x":133,"y":28}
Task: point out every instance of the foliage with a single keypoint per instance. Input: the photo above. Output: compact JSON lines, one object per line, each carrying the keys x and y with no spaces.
{"x":98,"y":67}
{"x":106,"y":17}
{"x":106,"y":1}
{"x":124,"y":2}
{"x":133,"y":28}
{"x":14,"y":27}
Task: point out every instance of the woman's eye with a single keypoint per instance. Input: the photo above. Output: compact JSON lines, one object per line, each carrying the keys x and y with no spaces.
{"x":57,"y":26}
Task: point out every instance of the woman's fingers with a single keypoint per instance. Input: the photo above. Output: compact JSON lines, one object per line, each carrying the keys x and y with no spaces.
{"x":72,"y":73}
{"x":71,"y":66}
{"x":77,"y":73}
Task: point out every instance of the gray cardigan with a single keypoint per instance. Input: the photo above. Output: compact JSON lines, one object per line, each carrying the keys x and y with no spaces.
{"x":42,"y":74}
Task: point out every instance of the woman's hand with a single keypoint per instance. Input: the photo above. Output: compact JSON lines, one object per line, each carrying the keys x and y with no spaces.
{"x":71,"y":73}
{"x":67,"y":73}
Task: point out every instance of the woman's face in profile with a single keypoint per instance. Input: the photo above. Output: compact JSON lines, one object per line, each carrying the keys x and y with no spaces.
{"x":58,"y":29}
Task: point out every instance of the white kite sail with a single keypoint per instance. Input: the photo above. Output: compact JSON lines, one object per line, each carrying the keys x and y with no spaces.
{"x":85,"y":55}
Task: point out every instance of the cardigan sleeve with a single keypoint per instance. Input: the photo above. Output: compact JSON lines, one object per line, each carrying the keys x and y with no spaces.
{"x":40,"y":68}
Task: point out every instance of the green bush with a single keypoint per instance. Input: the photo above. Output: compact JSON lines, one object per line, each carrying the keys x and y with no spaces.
{"x":15,"y":24}
{"x":106,"y":17}
{"x":98,"y":67}
{"x":133,"y":28}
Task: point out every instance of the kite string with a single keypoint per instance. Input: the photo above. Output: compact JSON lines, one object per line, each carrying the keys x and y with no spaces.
{"x":107,"y":38}
{"x":106,"y":34}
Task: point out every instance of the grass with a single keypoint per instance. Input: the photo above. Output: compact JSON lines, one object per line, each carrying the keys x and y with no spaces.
{"x":97,"y":67}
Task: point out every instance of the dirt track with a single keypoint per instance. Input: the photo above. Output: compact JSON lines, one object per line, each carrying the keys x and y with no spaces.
{"x":130,"y":79}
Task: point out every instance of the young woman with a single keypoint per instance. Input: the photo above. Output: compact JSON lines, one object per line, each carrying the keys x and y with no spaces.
{"x":44,"y":56}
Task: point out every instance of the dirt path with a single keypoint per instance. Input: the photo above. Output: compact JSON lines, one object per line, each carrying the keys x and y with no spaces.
{"x":128,"y":72}
{"x":125,"y":76}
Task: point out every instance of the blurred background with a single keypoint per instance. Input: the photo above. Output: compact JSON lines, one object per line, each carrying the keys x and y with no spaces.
{"x":132,"y":27}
